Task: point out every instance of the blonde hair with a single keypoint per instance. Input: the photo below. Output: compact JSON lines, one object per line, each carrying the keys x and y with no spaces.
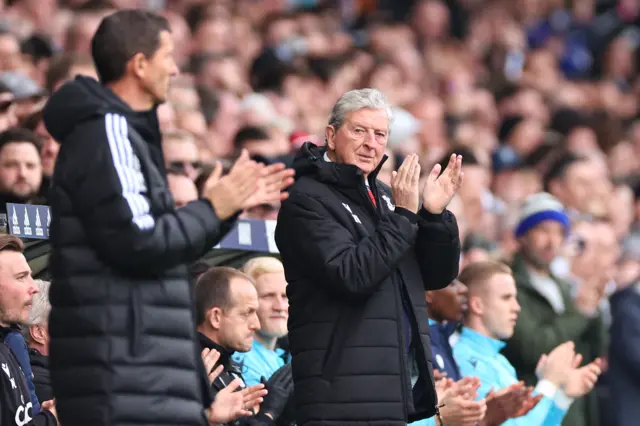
{"x":476,"y":274}
{"x":262,"y":265}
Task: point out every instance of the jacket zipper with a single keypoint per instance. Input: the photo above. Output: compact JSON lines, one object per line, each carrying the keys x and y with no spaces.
{"x":403,"y":370}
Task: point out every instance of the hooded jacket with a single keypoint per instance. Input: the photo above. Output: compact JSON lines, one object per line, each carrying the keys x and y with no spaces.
{"x":123,"y":346}
{"x":356,"y":273}
{"x":16,"y":407}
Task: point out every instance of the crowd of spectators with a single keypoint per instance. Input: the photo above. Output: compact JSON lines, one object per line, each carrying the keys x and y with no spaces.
{"x":536,"y":95}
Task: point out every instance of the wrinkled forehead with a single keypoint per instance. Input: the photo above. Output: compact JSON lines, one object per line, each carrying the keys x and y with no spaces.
{"x":374,"y":119}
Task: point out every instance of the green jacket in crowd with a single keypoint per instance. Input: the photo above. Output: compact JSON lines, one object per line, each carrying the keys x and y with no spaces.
{"x":540,"y":329}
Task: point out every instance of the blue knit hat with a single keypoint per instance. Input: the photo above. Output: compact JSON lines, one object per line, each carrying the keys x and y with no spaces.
{"x":538,"y":208}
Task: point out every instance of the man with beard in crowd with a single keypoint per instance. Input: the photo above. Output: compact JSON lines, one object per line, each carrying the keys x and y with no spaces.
{"x":17,"y":290}
{"x":549,"y":315}
{"x":123,"y":347}
{"x":227,"y":318}
{"x":20,"y":167}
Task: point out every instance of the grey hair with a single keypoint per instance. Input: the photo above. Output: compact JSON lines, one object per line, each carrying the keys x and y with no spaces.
{"x":41,"y":306}
{"x":355,"y":100}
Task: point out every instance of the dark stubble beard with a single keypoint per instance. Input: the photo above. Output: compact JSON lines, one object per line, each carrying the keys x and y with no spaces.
{"x":534,"y":261}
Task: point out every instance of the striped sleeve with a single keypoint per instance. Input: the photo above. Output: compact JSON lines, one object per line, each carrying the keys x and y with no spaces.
{"x":128,"y":170}
{"x":109,"y":188}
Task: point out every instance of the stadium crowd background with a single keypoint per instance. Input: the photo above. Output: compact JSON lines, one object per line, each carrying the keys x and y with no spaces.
{"x":535,"y":94}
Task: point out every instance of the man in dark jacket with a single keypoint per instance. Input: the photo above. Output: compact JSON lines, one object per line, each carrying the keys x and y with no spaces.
{"x":17,"y":290}
{"x":358,"y":266}
{"x":624,"y":357}
{"x":36,"y":335}
{"x":123,"y":346}
{"x":226,"y":313}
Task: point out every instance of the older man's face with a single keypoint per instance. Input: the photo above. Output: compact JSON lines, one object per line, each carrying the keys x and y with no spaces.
{"x":361,"y":140}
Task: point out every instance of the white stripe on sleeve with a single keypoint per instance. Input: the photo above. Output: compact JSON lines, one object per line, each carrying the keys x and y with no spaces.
{"x":127,"y":167}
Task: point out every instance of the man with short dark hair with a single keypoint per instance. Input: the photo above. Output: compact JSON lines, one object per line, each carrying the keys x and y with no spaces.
{"x":17,"y":290}
{"x":123,"y":347}
{"x":20,"y":167}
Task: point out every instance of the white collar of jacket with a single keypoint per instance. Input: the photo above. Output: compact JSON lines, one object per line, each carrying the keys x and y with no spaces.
{"x":328,"y":160}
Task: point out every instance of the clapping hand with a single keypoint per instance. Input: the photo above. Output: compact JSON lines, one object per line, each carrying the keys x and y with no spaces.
{"x":458,"y":406}
{"x":438,"y":375}
{"x":228,"y":194}
{"x":582,"y":380}
{"x":210,"y":357}
{"x":440,"y":189}
{"x":556,"y":366}
{"x":507,"y":403}
{"x":405,"y":184}
{"x":273,"y":180}
{"x":280,"y":387}
{"x":230,"y":405}
{"x":50,"y":406}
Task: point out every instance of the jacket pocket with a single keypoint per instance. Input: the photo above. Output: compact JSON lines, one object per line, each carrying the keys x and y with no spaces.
{"x":135,"y":308}
{"x":338,"y":338}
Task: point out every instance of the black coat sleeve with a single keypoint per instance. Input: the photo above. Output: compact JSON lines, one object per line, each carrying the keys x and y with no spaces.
{"x":438,"y":249}
{"x":308,"y":233}
{"x":44,"y":418}
{"x":99,"y":170}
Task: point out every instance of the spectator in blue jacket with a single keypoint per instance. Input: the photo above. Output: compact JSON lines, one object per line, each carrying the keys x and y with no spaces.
{"x":624,"y":357}
{"x":491,"y":318}
{"x":18,"y":346}
{"x":446,"y":309}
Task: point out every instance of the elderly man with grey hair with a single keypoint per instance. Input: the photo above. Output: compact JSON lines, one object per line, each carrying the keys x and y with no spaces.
{"x":358,"y":257}
{"x":36,"y":335}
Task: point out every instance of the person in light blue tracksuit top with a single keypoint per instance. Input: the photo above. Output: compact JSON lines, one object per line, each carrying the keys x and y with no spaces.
{"x":446,"y":309}
{"x":265,"y":358}
{"x":491,"y":318}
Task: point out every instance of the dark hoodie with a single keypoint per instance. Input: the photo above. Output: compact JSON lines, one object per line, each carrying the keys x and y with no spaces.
{"x":356,"y":272}
{"x":15,"y":402}
{"x":85,"y":99}
{"x":122,"y":326}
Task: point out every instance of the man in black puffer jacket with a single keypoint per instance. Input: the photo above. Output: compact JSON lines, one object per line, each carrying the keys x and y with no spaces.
{"x":123,"y":346}
{"x":358,"y":267}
